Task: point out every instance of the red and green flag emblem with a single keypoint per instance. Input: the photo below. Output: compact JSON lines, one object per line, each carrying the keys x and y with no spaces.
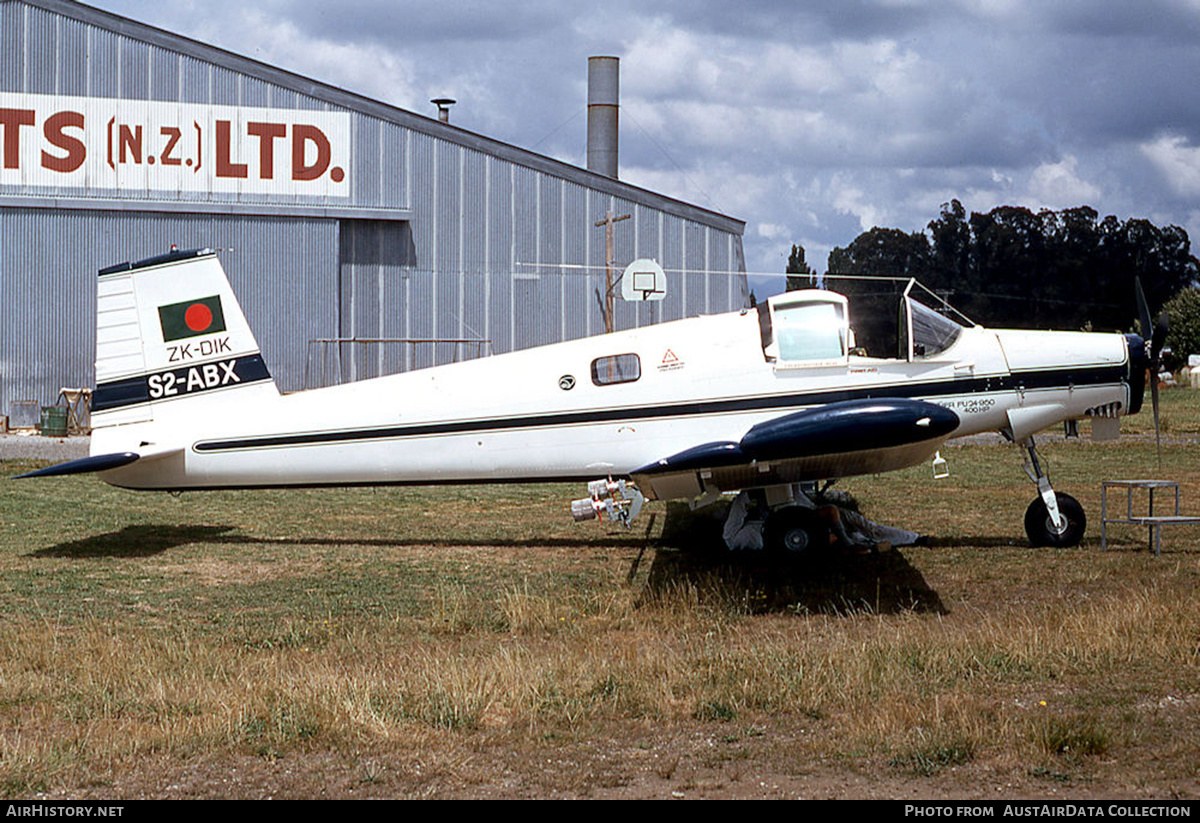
{"x":191,"y":318}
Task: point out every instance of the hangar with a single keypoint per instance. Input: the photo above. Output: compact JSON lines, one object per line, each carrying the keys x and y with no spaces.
{"x":361,"y":238}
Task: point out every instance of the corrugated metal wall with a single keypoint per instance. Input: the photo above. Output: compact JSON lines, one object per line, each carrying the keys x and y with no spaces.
{"x":48,"y":287}
{"x":440,"y":238}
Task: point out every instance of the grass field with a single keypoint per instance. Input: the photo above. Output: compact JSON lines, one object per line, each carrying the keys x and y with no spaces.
{"x":474,"y":642}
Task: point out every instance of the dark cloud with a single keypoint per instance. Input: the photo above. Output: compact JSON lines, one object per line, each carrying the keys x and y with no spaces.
{"x":1094,"y":96}
{"x":812,"y":22}
{"x":809,"y":120}
{"x":418,"y":24}
{"x":1156,"y":21}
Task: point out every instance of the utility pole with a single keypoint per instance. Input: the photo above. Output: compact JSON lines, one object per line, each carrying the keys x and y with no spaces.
{"x":610,"y":299}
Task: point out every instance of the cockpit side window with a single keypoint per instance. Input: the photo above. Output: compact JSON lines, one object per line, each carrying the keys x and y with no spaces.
{"x":810,"y":331}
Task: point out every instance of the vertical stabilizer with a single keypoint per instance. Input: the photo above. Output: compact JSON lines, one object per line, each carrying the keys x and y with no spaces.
{"x":168,"y":329}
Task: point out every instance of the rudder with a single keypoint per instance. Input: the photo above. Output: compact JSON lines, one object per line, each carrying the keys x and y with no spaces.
{"x":169,"y":328}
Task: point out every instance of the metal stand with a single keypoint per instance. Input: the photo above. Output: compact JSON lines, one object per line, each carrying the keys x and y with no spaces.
{"x":1150,"y":519}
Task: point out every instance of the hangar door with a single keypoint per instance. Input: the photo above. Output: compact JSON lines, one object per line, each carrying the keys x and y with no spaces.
{"x":375,"y":260}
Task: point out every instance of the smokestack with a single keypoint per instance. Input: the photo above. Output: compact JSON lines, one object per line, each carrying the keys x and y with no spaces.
{"x":443,"y":106}
{"x":603,"y":103}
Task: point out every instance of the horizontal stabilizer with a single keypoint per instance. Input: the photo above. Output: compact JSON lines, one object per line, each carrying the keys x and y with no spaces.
{"x":97,"y":463}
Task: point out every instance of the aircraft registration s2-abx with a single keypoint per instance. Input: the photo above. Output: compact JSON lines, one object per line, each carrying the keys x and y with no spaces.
{"x":763,"y":401}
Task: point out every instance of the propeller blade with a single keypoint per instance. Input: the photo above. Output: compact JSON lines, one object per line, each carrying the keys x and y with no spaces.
{"x":1160,"y":336}
{"x":1156,"y":347}
{"x":1145,"y":321}
{"x":1154,"y":405}
{"x":1155,"y":335}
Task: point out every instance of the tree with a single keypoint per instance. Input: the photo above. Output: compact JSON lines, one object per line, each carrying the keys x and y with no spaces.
{"x":883,"y":252}
{"x":950,"y":260}
{"x":796,"y":268}
{"x":1011,"y":267}
{"x":1010,"y":251}
{"x":879,"y":252}
{"x":1183,"y":336}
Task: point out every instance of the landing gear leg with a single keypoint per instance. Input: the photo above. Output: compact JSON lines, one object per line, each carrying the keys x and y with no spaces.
{"x":1052,"y":519}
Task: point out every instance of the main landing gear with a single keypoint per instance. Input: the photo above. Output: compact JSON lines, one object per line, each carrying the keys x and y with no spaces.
{"x":797,"y":533}
{"x":799,"y":523}
{"x":1053,"y":518}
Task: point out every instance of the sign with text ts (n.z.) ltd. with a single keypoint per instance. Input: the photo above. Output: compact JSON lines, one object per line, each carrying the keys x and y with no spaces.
{"x":151,"y":147}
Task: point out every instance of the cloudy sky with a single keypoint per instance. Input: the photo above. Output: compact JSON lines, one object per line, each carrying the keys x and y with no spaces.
{"x":812,"y":120}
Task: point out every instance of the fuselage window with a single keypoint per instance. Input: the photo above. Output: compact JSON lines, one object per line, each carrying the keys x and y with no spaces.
{"x":810,"y":331}
{"x":617,"y":368}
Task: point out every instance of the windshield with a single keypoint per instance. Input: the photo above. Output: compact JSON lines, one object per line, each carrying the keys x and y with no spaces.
{"x":926,"y":332}
{"x":932,"y":333}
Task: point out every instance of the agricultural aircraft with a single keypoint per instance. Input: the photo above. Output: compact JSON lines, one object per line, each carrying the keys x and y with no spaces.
{"x":763,"y":400}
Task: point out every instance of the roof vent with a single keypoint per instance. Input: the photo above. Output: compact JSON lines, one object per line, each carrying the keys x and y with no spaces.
{"x":443,"y":106}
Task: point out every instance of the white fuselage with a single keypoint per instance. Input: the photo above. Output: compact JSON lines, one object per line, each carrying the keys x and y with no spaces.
{"x":539,"y":414}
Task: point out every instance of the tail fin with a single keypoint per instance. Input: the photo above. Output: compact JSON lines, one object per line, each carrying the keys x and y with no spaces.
{"x":168,"y":329}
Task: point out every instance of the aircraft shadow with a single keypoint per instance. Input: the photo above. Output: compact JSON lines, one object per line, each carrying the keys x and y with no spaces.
{"x":151,"y":539}
{"x":691,"y":554}
{"x":134,"y":541}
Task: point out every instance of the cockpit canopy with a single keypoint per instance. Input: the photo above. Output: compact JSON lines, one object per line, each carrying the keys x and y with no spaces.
{"x":812,"y":328}
{"x":925,"y":332}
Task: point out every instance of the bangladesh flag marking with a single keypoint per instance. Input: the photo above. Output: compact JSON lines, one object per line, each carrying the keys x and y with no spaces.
{"x":191,"y":318}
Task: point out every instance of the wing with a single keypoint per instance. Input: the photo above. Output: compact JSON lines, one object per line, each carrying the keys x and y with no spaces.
{"x":835,"y":440}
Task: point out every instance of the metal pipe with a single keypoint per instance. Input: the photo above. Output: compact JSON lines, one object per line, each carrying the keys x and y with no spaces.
{"x":603,"y":106}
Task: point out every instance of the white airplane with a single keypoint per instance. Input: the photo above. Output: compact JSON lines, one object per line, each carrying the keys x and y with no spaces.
{"x":762,"y":400}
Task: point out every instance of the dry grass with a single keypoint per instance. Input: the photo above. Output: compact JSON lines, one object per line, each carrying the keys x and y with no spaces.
{"x":412,"y":643}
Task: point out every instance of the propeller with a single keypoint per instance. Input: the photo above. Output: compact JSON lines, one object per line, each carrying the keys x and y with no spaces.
{"x":1155,"y":334}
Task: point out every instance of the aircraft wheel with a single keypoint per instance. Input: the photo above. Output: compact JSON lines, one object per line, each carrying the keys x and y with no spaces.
{"x":1042,"y":532}
{"x":796,"y":532}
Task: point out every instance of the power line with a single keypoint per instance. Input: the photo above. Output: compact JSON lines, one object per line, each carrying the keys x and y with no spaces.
{"x":712,"y":200}
{"x":555,"y":130}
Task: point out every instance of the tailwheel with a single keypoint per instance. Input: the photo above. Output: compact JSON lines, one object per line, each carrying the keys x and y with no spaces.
{"x":1044,"y":531}
{"x":796,"y":532}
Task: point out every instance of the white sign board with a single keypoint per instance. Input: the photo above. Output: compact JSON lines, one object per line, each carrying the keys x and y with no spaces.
{"x":143,"y":146}
{"x":643,"y":280}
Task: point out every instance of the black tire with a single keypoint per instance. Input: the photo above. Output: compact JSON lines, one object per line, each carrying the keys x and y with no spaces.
{"x":1042,"y":533}
{"x":796,"y":533}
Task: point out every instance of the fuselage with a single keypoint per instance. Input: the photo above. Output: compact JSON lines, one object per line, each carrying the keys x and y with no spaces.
{"x":598,"y":406}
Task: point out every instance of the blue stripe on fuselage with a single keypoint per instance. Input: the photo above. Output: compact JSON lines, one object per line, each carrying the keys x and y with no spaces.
{"x":1022,"y":381}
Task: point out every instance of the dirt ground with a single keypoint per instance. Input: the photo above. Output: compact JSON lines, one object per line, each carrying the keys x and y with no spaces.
{"x":699,"y":762}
